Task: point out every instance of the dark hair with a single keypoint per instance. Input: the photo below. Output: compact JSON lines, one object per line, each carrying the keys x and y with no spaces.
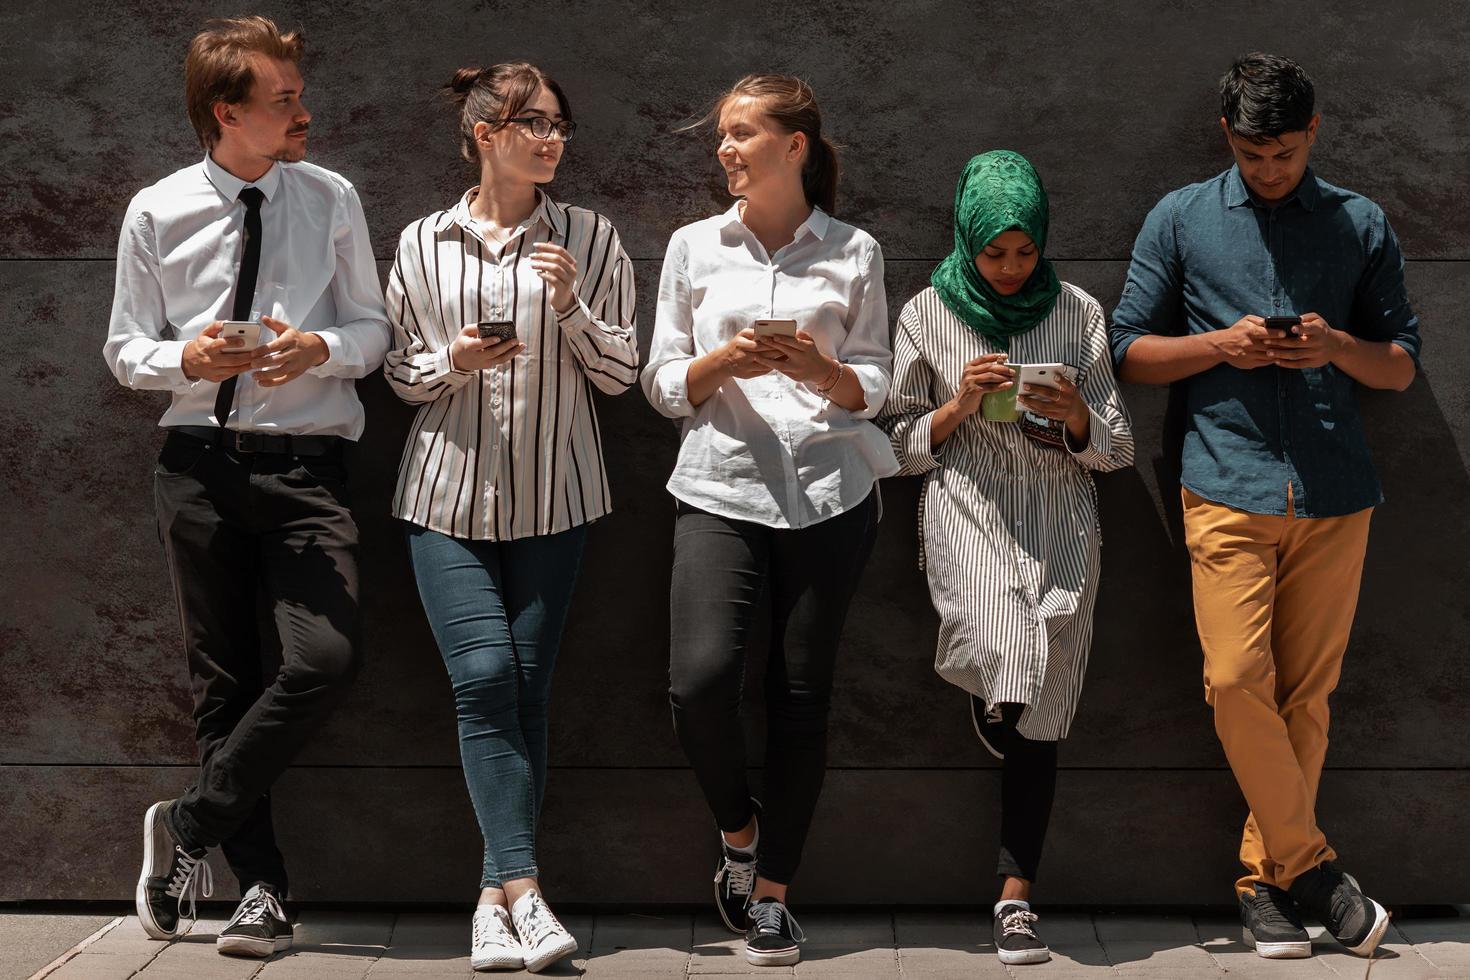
{"x":218,"y":67}
{"x":790,"y":102}
{"x":495,"y":94}
{"x":1265,"y":95}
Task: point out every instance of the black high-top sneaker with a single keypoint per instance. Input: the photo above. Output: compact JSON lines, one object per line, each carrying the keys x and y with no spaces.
{"x":259,"y":926}
{"x":1014,"y":932}
{"x":1335,"y":900}
{"x":1270,"y":924}
{"x":734,"y":881}
{"x":772,"y":937}
{"x":170,"y":877}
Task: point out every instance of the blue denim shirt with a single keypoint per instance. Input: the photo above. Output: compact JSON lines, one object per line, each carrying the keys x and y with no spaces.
{"x":1208,"y":255}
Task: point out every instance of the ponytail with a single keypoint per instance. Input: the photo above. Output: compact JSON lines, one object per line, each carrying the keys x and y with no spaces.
{"x":820,"y":174}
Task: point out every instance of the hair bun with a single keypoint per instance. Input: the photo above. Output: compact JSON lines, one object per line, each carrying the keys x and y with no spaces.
{"x":459,"y":86}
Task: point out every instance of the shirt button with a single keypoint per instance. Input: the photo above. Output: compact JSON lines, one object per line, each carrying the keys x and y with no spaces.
{"x":1278,"y":304}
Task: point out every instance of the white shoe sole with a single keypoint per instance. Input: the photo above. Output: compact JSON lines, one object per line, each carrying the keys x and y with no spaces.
{"x":1375,"y":935}
{"x":497,"y":961}
{"x":778,"y":957}
{"x":140,"y":894}
{"x":550,"y":955}
{"x":1276,"y":951}
{"x":250,"y":946}
{"x":1023,"y":957}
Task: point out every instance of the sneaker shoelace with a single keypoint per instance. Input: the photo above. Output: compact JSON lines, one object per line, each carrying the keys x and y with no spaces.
{"x":491,"y":928}
{"x":191,"y":878}
{"x":738,"y":876}
{"x":767,"y":917}
{"x":539,"y":921}
{"x":1018,"y":923}
{"x":257,"y":908}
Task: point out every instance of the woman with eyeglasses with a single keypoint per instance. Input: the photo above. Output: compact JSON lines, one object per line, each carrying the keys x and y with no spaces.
{"x":1004,"y":397}
{"x":771,"y":346}
{"x":507,"y":309}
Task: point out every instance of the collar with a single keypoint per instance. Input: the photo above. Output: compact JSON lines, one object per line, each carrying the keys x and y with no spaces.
{"x":1238,"y":195}
{"x":548,"y":212}
{"x":818,"y":223}
{"x":230,"y":186}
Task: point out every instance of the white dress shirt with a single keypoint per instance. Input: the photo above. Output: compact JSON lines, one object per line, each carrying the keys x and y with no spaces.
{"x":514,"y":450}
{"x":769,"y":449}
{"x":177,"y":262}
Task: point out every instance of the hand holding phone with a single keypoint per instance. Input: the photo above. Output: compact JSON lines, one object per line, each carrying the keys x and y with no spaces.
{"x":1291,"y":324}
{"x":479,"y":346}
{"x":497,"y":330}
{"x":242,"y":334}
{"x":775,"y":328}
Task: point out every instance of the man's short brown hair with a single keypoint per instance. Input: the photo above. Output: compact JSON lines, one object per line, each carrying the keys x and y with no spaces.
{"x":219,"y":69}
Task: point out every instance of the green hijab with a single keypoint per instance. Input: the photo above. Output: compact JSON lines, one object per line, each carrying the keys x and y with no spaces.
{"x":999,"y":191}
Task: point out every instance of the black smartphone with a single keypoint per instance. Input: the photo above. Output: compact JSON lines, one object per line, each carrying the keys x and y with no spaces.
{"x":1287,"y":323}
{"x":497,"y":330}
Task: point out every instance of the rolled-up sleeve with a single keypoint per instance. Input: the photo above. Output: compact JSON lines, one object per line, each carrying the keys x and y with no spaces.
{"x":1381,"y":310}
{"x":908,"y":413}
{"x":866,"y":349}
{"x":417,"y":370}
{"x":666,"y":377}
{"x":1153,"y":295}
{"x":1110,"y":435}
{"x":138,"y":350}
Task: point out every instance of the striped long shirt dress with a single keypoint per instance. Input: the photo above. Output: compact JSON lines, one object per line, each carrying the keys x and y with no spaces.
{"x":513,"y":450}
{"x":1009,"y":527}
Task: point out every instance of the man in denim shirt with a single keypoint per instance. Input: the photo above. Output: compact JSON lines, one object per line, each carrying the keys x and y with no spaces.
{"x":1278,"y":485}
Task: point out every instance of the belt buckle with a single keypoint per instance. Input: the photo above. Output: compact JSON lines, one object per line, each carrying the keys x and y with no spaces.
{"x":244,"y":441}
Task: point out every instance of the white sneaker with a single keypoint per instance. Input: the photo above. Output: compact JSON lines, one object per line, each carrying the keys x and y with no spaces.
{"x":544,"y":940}
{"x":493,"y":944}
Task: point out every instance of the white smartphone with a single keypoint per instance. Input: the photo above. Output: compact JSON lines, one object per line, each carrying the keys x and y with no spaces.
{"x":1044,"y":374}
{"x":775,"y":328}
{"x":248,"y":331}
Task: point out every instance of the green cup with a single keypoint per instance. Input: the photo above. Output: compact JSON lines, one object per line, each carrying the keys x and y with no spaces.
{"x":999,"y":406}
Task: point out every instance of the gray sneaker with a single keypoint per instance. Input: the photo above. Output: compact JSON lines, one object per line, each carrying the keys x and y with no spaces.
{"x":1269,"y":924}
{"x":1335,"y":900}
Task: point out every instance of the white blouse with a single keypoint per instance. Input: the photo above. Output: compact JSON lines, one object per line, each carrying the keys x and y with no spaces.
{"x":771,"y":450}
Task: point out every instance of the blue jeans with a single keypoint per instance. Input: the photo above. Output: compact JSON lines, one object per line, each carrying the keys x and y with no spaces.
{"x":497,"y":609}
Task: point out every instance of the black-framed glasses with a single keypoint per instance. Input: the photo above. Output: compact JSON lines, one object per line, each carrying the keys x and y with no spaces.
{"x":541,"y":127}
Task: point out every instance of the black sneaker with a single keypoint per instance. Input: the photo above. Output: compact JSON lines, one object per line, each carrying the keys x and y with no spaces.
{"x":259,"y":926}
{"x":1271,"y":926}
{"x":734,"y":881}
{"x":990,"y":731}
{"x":772,"y":937}
{"x":1335,"y":900}
{"x":1016,"y":941}
{"x":170,"y":876}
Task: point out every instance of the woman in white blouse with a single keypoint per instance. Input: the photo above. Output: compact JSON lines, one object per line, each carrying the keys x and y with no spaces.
{"x":507,"y":309}
{"x":775,"y":481}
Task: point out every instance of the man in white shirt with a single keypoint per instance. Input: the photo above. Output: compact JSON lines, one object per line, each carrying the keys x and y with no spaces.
{"x":250,"y":485}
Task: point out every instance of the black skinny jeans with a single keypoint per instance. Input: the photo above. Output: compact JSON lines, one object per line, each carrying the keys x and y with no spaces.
{"x":720,"y":568}
{"x":1028,"y":783}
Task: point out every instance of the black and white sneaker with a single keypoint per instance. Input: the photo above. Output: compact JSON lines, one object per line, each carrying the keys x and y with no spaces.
{"x":259,"y":926}
{"x":170,"y":877}
{"x":1270,"y":924}
{"x":989,"y":730}
{"x":1335,"y":900}
{"x":734,"y":881}
{"x":1014,"y":931}
{"x":772,"y":937}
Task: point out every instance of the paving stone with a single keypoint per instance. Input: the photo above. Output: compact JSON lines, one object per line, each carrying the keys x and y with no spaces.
{"x":297,"y":965}
{"x":644,"y":933}
{"x":101,"y":966}
{"x":844,"y":928}
{"x":342,"y":931}
{"x":1219,"y":936}
{"x":433,"y":929}
{"x":425,"y":959}
{"x":943,"y":962}
{"x":32,"y":940}
{"x":1395,"y":959}
{"x":847,"y":960}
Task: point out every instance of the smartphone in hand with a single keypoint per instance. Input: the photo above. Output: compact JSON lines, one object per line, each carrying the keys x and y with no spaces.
{"x":496,"y":330}
{"x":775,"y":328}
{"x":248,"y":332}
{"x":1291,"y":324}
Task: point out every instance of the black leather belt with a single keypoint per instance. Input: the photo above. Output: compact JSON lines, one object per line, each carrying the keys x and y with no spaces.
{"x":263,"y":442}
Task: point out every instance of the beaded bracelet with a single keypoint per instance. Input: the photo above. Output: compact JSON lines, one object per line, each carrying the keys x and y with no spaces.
{"x":831,"y":381}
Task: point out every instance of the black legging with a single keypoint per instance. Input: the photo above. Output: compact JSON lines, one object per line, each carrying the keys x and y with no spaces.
{"x":721,"y":567}
{"x":1028,"y":783}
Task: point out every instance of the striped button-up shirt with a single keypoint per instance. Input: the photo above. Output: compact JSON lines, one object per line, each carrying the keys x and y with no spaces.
{"x":514,"y":450}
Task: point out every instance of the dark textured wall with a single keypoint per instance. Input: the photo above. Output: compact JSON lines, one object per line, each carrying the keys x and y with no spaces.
{"x":1115,"y":105}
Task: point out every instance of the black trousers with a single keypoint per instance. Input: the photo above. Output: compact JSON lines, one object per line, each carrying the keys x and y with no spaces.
{"x":1028,"y":784}
{"x":252,"y":538}
{"x":721,"y":567}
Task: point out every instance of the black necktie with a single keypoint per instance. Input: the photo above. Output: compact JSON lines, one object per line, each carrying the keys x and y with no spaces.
{"x":244,"y":291}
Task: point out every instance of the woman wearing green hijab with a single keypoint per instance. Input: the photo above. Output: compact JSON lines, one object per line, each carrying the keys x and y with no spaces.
{"x":1008,"y":515}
